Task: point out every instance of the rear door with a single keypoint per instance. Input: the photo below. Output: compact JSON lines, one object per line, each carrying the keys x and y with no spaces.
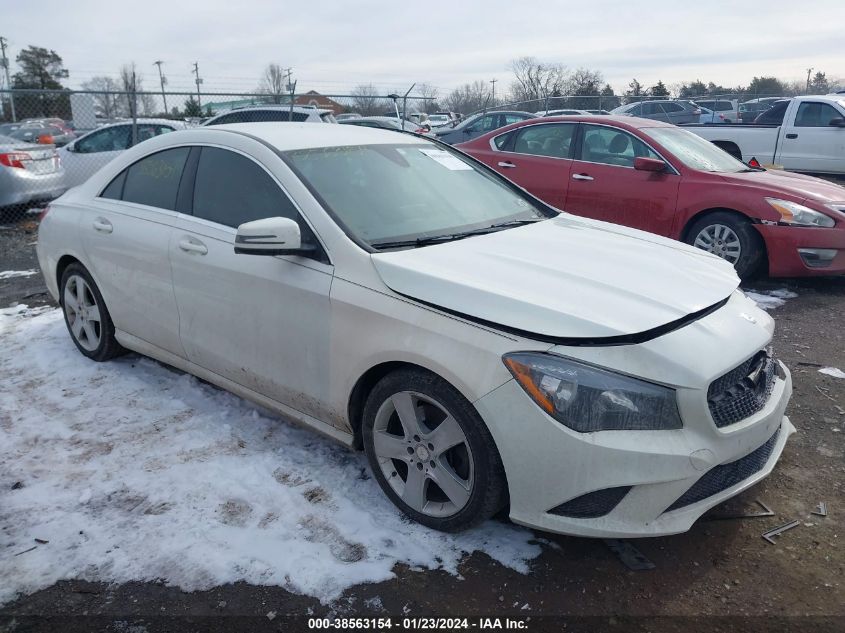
{"x":809,"y":143}
{"x":537,"y":158}
{"x":605,"y":186}
{"x":125,"y":234}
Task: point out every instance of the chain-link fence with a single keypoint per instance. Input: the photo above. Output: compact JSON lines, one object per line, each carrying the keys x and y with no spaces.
{"x":51,"y":140}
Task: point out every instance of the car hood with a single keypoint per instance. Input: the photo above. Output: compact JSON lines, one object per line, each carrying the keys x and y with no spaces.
{"x":790,"y":184}
{"x":565,"y":278}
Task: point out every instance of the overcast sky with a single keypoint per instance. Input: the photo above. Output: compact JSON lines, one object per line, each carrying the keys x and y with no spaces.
{"x":333,"y":45}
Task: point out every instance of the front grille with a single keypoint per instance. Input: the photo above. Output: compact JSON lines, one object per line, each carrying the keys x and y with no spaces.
{"x":593,"y":504}
{"x":743,"y":391}
{"x":726,"y":475}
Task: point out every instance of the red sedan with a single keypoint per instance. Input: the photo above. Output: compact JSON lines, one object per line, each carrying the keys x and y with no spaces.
{"x":663,"y":179}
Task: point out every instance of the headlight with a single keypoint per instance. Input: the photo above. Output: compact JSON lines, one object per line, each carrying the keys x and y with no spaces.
{"x":588,"y":399}
{"x":794,"y":213}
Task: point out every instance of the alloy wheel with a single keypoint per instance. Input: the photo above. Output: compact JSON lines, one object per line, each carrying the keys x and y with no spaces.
{"x":423,"y":454}
{"x":83,"y":313}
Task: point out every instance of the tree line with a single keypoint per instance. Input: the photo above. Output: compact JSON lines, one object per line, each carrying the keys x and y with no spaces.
{"x":534,"y":85}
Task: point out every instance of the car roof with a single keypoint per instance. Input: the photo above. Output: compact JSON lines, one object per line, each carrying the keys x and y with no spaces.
{"x":286,"y":136}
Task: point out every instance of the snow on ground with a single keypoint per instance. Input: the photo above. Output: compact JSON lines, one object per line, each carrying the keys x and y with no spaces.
{"x":133,"y":471}
{"x":768,"y":299}
{"x":8,"y":274}
{"x":832,"y":371}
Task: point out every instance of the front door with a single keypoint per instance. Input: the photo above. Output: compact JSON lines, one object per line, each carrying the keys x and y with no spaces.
{"x":605,"y":186}
{"x":261,"y":322}
{"x":811,"y":143}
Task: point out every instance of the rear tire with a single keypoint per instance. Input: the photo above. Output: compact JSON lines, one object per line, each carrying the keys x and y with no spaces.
{"x":730,"y":237}
{"x":86,"y":316}
{"x":431,"y":453}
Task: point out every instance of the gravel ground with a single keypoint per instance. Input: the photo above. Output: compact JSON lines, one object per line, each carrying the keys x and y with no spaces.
{"x":721,"y":575}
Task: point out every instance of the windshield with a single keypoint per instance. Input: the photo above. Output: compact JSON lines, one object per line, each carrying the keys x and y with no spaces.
{"x":388,"y":193}
{"x":693,"y":151}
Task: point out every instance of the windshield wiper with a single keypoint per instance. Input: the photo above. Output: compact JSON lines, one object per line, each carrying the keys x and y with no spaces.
{"x":436,"y":239}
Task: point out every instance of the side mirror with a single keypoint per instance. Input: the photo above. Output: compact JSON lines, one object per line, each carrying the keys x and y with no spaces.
{"x":837,"y":122}
{"x":642,"y":163}
{"x":71,"y":147}
{"x":270,"y":236}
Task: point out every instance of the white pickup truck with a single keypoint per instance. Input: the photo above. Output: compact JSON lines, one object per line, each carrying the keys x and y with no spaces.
{"x":811,"y":138}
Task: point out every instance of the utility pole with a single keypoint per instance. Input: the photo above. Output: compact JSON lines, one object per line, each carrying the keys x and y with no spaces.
{"x":291,"y":88}
{"x":5,"y":63}
{"x":493,"y":81}
{"x":196,"y":72}
{"x":163,"y":80}
{"x":809,"y":70}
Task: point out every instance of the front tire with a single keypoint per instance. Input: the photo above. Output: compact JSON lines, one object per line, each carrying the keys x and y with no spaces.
{"x":730,"y":237}
{"x":431,"y":453}
{"x":86,"y":316}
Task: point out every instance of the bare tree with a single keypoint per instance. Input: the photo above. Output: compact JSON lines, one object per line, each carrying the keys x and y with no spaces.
{"x":130,"y":83}
{"x":535,"y":81}
{"x":429,"y":105}
{"x":366,"y":100}
{"x":273,"y":83}
{"x":105,"y":98}
{"x":470,"y":98}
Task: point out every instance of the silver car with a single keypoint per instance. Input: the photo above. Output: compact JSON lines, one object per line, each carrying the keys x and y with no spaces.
{"x":675,"y":112}
{"x":28,"y":172}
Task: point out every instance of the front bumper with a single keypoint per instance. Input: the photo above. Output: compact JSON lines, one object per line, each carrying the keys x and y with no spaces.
{"x":783,"y":244}
{"x":548,"y":465}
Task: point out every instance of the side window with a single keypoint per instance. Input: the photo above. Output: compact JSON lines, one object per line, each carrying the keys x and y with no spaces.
{"x":154,"y":180}
{"x":231,"y":189}
{"x":502,"y":140}
{"x":111,"y":139}
{"x":512,"y":118}
{"x":233,"y":117}
{"x":147,"y":131}
{"x":637,"y":110}
{"x":650,"y":109}
{"x":114,"y":190}
{"x":672,"y":107}
{"x":553,"y":140}
{"x":299,"y":116}
{"x":610,"y":146}
{"x":814,"y":114}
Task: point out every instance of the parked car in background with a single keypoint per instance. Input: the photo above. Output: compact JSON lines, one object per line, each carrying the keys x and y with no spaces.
{"x":811,"y":138}
{"x":708,"y":116}
{"x":727,"y":108}
{"x":442,"y":118}
{"x":485,"y":351}
{"x":84,"y":156}
{"x":479,"y":124}
{"x":751,"y":109}
{"x":46,"y":135}
{"x":774,"y":115}
{"x":677,"y":112}
{"x":666,"y":180}
{"x":602,"y":112}
{"x":268,"y":113}
{"x":29,"y":173}
{"x":346,"y":116}
{"x":563,"y":112}
{"x":388,"y":123}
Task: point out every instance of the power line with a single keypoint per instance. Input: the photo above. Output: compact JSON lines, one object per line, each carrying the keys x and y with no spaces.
{"x":5,"y":63}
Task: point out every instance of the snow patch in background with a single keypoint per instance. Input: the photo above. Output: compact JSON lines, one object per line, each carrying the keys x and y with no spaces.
{"x":133,"y":471}
{"x":767,"y":299}
{"x":832,"y":371}
{"x":8,"y":274}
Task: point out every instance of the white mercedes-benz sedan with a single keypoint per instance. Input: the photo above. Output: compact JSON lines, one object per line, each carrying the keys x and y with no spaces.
{"x":485,"y":350}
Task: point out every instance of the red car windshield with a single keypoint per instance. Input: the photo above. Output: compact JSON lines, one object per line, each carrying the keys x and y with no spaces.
{"x":693,"y":151}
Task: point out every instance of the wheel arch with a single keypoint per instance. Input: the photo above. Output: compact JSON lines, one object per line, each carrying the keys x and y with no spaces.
{"x":685,"y":232}
{"x":61,"y":267}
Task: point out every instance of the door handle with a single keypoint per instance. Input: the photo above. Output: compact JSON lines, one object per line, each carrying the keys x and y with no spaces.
{"x":102,"y":225}
{"x":581,"y":177}
{"x":193,"y":246}
{"x":791,"y":136}
{"x":506,"y":164}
